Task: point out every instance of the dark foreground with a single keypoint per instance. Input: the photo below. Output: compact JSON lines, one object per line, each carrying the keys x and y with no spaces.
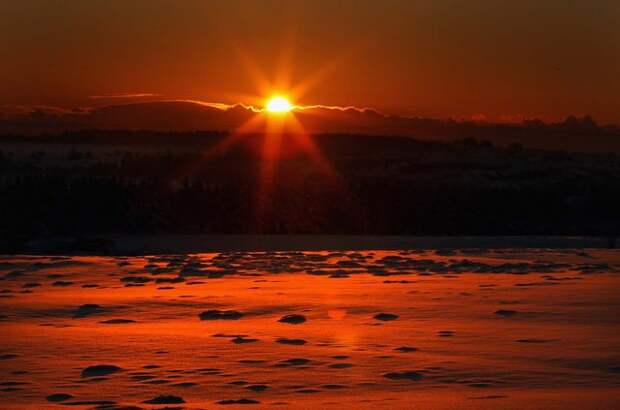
{"x":483,"y":329}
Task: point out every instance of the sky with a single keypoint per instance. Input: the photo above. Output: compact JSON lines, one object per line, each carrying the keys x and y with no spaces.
{"x":494,"y":59}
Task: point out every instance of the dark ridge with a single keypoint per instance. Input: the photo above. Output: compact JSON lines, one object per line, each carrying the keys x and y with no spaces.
{"x":69,"y":201}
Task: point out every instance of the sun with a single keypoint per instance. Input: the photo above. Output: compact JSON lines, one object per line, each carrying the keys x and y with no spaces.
{"x":278,"y":104}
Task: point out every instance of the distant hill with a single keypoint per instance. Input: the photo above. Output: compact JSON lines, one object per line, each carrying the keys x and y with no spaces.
{"x":573,"y":134}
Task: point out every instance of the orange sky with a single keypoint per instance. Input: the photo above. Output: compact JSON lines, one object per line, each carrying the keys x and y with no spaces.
{"x":444,"y":58}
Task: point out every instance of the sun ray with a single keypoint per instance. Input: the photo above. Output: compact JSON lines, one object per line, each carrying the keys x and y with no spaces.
{"x":305,"y":141}
{"x":301,"y":89}
{"x":273,"y":121}
{"x":256,"y":73}
{"x":284,"y":68}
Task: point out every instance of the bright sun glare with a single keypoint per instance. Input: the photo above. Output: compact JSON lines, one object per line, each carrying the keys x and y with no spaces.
{"x":278,"y":104}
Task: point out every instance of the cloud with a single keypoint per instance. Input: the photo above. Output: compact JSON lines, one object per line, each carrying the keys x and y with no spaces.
{"x":9,"y":111}
{"x":185,"y":115}
{"x":127,"y":95}
{"x":219,"y":106}
{"x":341,"y":108}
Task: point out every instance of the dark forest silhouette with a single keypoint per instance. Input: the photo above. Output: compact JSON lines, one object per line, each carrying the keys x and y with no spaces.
{"x":98,"y":182}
